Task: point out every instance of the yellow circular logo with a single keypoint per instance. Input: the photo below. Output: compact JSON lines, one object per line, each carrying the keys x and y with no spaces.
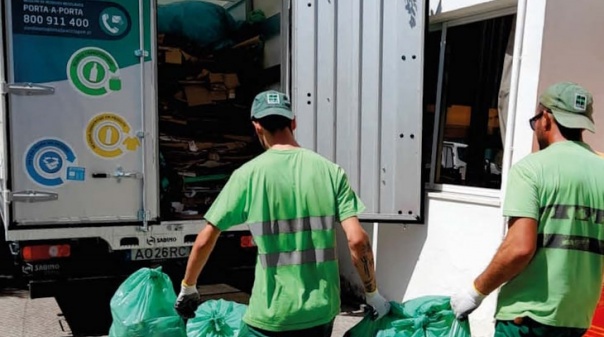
{"x":108,"y":136}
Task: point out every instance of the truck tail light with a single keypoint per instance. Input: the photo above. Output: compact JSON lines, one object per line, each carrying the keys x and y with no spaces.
{"x":45,"y":252}
{"x":247,"y":241}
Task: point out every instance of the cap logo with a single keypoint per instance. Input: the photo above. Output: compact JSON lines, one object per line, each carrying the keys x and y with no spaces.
{"x":580,"y":102}
{"x":273,"y":99}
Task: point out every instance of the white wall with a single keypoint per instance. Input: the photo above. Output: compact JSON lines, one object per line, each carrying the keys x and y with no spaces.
{"x":529,"y":78}
{"x":441,"y":257}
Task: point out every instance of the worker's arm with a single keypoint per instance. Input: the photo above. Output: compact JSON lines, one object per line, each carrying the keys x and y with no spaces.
{"x":362,"y":258}
{"x":361,"y":252}
{"x":512,"y":257}
{"x":189,"y":299}
{"x":202,"y":248}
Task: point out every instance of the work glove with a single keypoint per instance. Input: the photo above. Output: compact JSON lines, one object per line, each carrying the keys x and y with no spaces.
{"x":465,"y":302}
{"x":187,"y":302}
{"x":378,"y":303}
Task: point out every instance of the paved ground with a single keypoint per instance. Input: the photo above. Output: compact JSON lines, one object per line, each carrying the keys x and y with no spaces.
{"x":23,"y":317}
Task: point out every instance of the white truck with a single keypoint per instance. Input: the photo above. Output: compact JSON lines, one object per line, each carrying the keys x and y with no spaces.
{"x":83,"y":129}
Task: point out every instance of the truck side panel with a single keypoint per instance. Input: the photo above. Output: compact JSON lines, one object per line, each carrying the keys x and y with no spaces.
{"x":76,"y":105}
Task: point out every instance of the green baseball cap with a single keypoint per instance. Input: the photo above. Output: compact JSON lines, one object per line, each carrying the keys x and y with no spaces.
{"x":272,"y":103}
{"x":571,"y":104}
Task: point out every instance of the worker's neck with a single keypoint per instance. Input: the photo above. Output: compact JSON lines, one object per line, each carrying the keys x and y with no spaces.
{"x":558,"y":137}
{"x":281,"y":140}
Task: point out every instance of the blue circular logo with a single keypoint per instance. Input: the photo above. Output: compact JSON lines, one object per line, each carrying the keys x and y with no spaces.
{"x":50,"y":162}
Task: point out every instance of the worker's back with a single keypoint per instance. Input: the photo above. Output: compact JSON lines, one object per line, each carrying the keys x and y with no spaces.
{"x":293,"y":200}
{"x":562,"y":283}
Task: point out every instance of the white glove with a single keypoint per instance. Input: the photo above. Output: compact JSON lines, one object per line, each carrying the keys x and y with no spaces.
{"x":380,"y":305}
{"x":465,"y":302}
{"x":187,"y":302}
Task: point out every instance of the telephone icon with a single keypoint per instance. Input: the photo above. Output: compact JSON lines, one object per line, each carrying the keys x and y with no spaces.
{"x":112,"y":26}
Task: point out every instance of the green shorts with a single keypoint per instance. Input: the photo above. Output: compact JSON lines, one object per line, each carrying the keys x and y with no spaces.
{"x":531,"y":328}
{"x":318,"y":331}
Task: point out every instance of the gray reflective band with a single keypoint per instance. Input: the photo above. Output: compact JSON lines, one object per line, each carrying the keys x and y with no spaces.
{"x":572,"y":242}
{"x":297,"y":257}
{"x":276,"y":227}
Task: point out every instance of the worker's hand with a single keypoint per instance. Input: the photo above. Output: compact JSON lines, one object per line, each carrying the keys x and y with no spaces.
{"x":380,"y":305}
{"x":187,"y":302}
{"x":465,"y":302}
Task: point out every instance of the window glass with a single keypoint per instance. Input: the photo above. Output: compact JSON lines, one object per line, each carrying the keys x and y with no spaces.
{"x":470,"y":139}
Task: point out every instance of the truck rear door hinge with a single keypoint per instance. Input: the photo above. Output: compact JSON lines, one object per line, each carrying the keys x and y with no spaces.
{"x":31,"y":196}
{"x":141,"y":53}
{"x":27,"y":89}
{"x":144,"y":215}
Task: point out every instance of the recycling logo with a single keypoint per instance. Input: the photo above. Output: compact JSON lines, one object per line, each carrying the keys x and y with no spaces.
{"x":50,"y":163}
{"x":108,"y":135}
{"x":93,"y":72}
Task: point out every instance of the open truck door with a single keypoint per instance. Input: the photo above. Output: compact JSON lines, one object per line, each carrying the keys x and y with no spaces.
{"x":75,"y":114}
{"x":357,"y":81}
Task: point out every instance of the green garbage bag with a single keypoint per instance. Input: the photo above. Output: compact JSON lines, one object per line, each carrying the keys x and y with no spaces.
{"x":216,"y":318}
{"x":143,"y":305}
{"x":207,"y":24}
{"x":428,"y":316}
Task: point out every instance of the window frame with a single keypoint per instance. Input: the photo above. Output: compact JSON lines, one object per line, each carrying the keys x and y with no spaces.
{"x":442,"y":24}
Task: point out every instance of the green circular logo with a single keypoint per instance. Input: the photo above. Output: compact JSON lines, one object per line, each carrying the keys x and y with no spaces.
{"x":93,"y":72}
{"x":113,"y":21}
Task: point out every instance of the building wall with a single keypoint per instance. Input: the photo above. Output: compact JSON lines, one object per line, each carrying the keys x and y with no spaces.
{"x":443,"y":255}
{"x":572,"y":51}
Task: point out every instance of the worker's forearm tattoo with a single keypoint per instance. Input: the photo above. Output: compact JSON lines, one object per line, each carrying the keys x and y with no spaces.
{"x":366,"y":267}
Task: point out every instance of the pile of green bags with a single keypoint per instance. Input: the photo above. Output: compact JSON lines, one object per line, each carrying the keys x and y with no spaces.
{"x":143,"y":305}
{"x":428,"y":316}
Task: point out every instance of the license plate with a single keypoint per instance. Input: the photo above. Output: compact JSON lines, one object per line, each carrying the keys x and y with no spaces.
{"x":159,"y":253}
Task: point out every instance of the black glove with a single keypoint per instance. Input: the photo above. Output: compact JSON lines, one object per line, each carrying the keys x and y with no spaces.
{"x":187,"y":302}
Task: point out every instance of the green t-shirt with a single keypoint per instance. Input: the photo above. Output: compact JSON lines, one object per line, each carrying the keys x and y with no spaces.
{"x":562,"y":187}
{"x":291,"y":199}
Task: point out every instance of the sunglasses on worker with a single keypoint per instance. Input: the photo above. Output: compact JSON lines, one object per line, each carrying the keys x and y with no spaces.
{"x":535,"y":118}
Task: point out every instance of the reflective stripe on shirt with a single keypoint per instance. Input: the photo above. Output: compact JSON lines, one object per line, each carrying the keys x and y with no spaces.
{"x":571,"y":242}
{"x":276,"y":227}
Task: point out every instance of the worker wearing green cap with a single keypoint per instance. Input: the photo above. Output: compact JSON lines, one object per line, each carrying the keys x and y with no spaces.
{"x":292,"y":199}
{"x":552,"y":257}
